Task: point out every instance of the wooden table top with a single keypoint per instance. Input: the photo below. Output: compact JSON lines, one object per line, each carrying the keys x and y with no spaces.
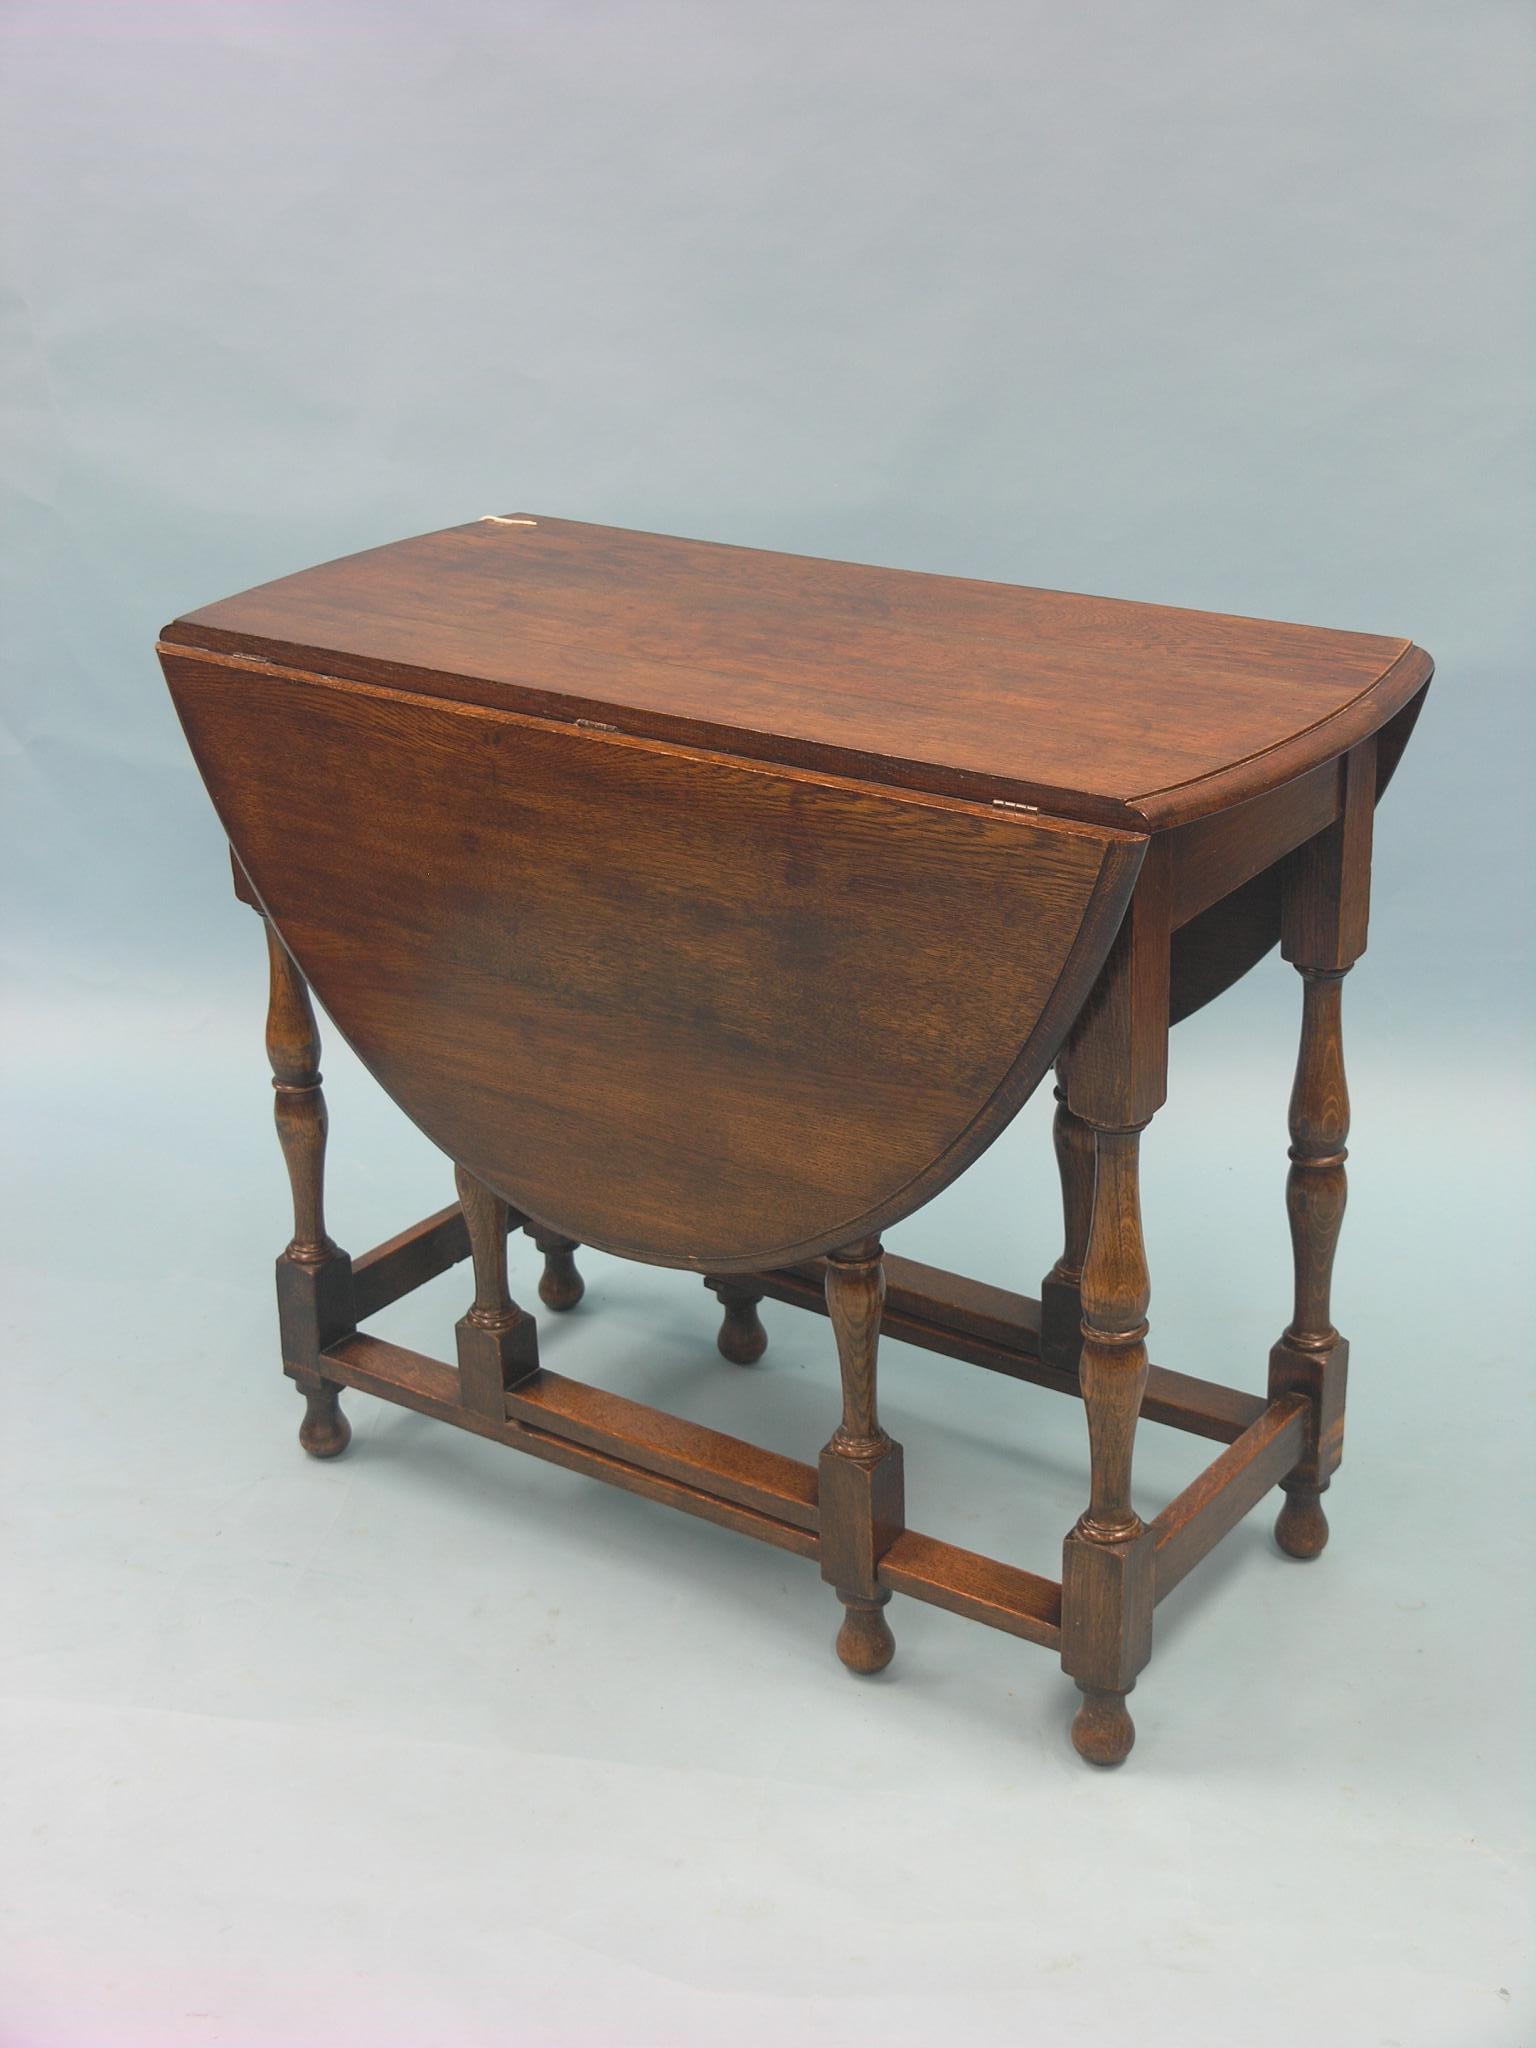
{"x":1085,"y":707}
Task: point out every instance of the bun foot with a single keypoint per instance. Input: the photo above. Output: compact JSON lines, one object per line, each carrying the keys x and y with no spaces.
{"x":1102,"y":1730}
{"x":864,"y":1642}
{"x":1301,"y":1529}
{"x":325,"y":1432}
{"x":742,"y":1338}
{"x":560,"y":1285}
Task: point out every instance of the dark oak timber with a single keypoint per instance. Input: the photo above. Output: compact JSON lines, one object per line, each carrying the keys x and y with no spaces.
{"x":293,"y":1049}
{"x":668,"y":1446}
{"x":860,"y":1475}
{"x":1213,"y":1504}
{"x":437,"y":1244}
{"x":919,"y":681}
{"x":314,"y":1277}
{"x":407,"y":1261}
{"x":1116,"y":1077}
{"x":413,"y":1381}
{"x":742,"y":1338}
{"x":1061,"y":1295}
{"x":979,"y":1588}
{"x":605,"y":1070}
{"x":560,"y":1284}
{"x":989,"y":1327}
{"x":498,"y":1344}
{"x":717,"y":909}
{"x":1324,"y":909}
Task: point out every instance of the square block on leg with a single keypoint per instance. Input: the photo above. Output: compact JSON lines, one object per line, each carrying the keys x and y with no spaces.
{"x":1321,"y":1377}
{"x":1108,"y":1592}
{"x":315,"y":1307}
{"x":862,"y":1508}
{"x":493,"y":1361}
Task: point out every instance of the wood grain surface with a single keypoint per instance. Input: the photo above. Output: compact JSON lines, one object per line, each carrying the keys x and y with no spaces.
{"x":702,"y":1012}
{"x":1090,"y":707}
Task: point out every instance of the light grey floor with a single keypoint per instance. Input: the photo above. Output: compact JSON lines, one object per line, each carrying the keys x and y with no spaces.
{"x":438,"y":1744}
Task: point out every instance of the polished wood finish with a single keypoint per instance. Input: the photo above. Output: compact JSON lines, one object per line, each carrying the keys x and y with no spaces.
{"x":742,"y":1338}
{"x":314,"y":1276}
{"x":1213,"y":1504}
{"x":560,"y":1284}
{"x":1325,"y":910}
{"x":717,"y":909}
{"x":293,"y":1049}
{"x":498,"y":1343}
{"x":929,"y":682}
{"x":1219,"y":945}
{"x":978,"y":1588}
{"x":1000,"y":1331}
{"x":668,"y":1447}
{"x":1113,"y":1367}
{"x":1216,"y":854}
{"x":325,"y":1432}
{"x":440,"y":1242}
{"x":409,"y":1260}
{"x":608,"y":1071}
{"x":715,"y":1477}
{"x":412,"y":1380}
{"x":1327,"y":885}
{"x":1061,"y":1298}
{"x":1116,"y":1078}
{"x":860,"y":1486}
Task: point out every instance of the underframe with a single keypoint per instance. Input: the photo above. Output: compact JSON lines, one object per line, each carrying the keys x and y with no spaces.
{"x":774,"y":1498}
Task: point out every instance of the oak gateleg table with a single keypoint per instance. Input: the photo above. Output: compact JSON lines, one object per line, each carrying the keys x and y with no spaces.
{"x":716,"y":908}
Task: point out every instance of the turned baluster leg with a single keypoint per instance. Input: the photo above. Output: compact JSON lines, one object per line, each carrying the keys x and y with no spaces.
{"x":1104,"y":1567}
{"x":1116,"y":1077}
{"x":860,"y":1489}
{"x":314,"y":1278}
{"x":1312,"y":1357}
{"x":1325,"y":906}
{"x":498,"y":1343}
{"x":1061,"y":1303}
{"x":742,"y":1338}
{"x":1116,"y":1294}
{"x":560,"y":1284}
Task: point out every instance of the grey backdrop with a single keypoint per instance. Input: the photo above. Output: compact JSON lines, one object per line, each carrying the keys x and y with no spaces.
{"x":1213,"y":305}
